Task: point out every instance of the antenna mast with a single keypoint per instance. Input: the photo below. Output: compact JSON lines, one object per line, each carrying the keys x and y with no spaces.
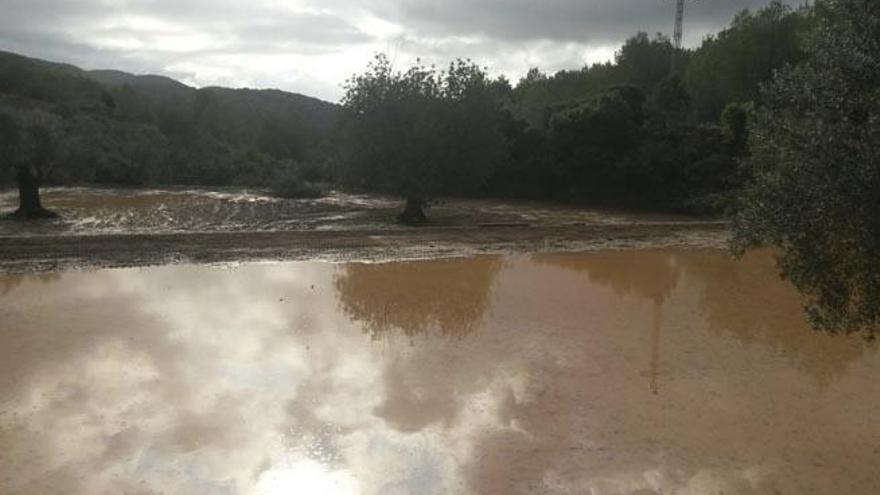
{"x":677,"y":35}
{"x":679,"y":24}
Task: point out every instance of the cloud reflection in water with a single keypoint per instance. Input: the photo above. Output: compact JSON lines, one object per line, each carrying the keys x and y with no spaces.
{"x":488,"y":375}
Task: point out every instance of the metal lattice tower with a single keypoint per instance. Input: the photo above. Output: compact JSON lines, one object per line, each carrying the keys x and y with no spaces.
{"x":679,"y":24}
{"x":677,"y":35}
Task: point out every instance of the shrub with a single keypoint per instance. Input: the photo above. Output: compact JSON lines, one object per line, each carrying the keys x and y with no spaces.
{"x":291,"y":184}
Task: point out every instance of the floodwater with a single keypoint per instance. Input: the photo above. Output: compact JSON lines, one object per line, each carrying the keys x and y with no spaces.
{"x":639,"y":372}
{"x":97,"y":211}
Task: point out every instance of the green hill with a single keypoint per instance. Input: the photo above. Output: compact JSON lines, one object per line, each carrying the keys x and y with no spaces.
{"x":134,"y":129}
{"x":148,"y":82}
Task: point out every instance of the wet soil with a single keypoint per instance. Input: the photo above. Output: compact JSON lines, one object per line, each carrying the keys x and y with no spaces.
{"x":119,"y":228}
{"x":46,"y":253}
{"x":95,"y":211}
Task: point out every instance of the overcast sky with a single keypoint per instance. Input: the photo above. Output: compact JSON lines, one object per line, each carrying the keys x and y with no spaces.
{"x":312,"y":46}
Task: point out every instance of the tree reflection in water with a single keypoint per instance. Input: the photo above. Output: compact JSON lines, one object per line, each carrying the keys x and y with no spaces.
{"x":445,"y":296}
{"x":725,"y":290}
{"x":9,"y":283}
{"x":653,"y":275}
{"x":768,"y":322}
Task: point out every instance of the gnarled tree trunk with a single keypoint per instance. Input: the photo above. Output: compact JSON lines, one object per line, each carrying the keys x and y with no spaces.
{"x":414,"y":214}
{"x":29,"y":205}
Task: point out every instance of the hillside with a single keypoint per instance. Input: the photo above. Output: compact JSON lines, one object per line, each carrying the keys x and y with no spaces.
{"x":146,"y":82}
{"x":154,"y":129}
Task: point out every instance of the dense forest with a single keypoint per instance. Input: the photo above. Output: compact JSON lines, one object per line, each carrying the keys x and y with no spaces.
{"x":108,"y":127}
{"x":659,"y":128}
{"x":626,"y":133}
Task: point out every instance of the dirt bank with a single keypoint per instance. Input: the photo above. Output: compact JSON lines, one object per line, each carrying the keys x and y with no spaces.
{"x":64,"y":252}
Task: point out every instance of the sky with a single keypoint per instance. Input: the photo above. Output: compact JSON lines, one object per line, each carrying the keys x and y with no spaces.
{"x":313,"y":46}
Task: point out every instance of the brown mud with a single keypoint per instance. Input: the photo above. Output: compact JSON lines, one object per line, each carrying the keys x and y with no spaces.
{"x":108,"y":228}
{"x":58,"y":253}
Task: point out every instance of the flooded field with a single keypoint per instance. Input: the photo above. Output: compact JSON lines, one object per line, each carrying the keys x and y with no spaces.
{"x":94,"y":211}
{"x":638,"y":372}
{"x":114,"y":228}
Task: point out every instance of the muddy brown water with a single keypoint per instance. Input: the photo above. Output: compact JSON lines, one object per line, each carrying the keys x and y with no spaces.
{"x":638,"y":372}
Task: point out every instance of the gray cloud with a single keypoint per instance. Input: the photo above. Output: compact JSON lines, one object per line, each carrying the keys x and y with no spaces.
{"x":592,"y":21}
{"x":232,"y":24}
{"x":312,"y":45}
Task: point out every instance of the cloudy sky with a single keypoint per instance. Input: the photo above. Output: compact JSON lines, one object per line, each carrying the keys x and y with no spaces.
{"x":312,"y":46}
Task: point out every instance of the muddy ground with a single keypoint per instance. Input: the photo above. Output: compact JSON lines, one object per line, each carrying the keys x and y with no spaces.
{"x":120,"y":228}
{"x":54,"y":253}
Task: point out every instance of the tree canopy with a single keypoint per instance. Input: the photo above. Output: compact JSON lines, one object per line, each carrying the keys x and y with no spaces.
{"x":136,"y":130}
{"x":730,"y":67}
{"x":421,"y":132}
{"x":816,"y":162}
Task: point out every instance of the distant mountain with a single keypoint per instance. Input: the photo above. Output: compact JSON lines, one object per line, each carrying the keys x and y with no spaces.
{"x":209,"y":135}
{"x":9,"y":60}
{"x":46,"y":81}
{"x":148,"y":82}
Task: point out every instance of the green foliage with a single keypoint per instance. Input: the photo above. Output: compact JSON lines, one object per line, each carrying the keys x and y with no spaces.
{"x":622,"y":149}
{"x":125,"y":129}
{"x":59,"y":84}
{"x":684,"y":168}
{"x":644,"y":62}
{"x":816,"y":160}
{"x":670,"y":147}
{"x":530,"y":170}
{"x":735,"y":124}
{"x":671,"y":100}
{"x":591,"y":142}
{"x":727,"y":68}
{"x":31,"y":135}
{"x":731,"y":66}
{"x":421,"y":132}
{"x":295,"y":183}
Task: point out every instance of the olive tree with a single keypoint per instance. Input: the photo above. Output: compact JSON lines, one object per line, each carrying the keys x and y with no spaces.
{"x":31,"y":143}
{"x":816,"y":163}
{"x":421,"y":132}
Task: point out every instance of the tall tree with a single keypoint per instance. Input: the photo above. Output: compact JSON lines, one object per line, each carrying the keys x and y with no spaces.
{"x":816,"y":161}
{"x":592,"y":143}
{"x":644,"y":62}
{"x":421,"y":132}
{"x":730,"y":66}
{"x":31,"y":149}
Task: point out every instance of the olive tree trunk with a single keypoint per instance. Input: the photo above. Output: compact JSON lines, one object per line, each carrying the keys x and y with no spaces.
{"x":29,"y":205}
{"x":414,"y":213}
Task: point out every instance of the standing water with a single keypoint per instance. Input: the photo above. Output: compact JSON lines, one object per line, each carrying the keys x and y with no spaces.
{"x":640,"y":372}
